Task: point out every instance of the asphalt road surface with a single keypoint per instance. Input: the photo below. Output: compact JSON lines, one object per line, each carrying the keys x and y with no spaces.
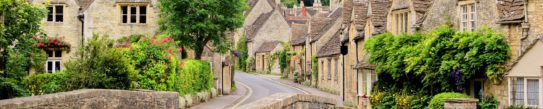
{"x":262,"y":87}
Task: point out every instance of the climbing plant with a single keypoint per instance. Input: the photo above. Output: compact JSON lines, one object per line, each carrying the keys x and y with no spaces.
{"x":241,"y":47}
{"x":441,"y":60}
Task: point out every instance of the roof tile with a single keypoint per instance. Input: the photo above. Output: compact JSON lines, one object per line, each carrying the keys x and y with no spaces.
{"x":267,"y":46}
{"x":511,"y":10}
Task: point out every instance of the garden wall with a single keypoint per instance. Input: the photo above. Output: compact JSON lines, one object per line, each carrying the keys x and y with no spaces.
{"x":97,"y":99}
{"x":292,"y":101}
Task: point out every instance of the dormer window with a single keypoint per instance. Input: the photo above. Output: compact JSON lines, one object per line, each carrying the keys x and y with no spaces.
{"x":134,"y":14}
{"x":55,"y":13}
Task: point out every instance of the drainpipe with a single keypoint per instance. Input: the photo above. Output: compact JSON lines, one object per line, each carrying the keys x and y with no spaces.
{"x":525,"y":26}
{"x":81,"y":17}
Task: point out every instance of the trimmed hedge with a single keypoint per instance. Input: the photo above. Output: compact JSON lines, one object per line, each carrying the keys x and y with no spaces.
{"x":438,"y":100}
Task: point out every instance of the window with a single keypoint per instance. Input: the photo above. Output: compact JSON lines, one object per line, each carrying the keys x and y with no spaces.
{"x":55,"y":13}
{"x":134,"y":14}
{"x":337,"y":69}
{"x":524,"y":91}
{"x":54,"y":61}
{"x":366,"y":78}
{"x":322,"y":70}
{"x":329,"y":69}
{"x":468,"y":17}
{"x":402,"y":20}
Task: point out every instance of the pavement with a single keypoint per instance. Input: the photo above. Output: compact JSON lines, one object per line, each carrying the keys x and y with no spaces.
{"x":252,"y":87}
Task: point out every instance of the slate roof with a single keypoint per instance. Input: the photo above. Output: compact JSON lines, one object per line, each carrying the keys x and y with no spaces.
{"x":511,"y":10}
{"x":251,"y":30}
{"x":421,"y":6}
{"x":326,"y":24}
{"x":379,"y":15}
{"x":298,"y":32}
{"x":360,"y":10}
{"x":347,"y":10}
{"x":332,"y":47}
{"x":267,"y":46}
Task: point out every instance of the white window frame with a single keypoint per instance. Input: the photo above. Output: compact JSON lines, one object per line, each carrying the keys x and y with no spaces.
{"x":138,"y":13}
{"x":525,"y":91}
{"x":54,"y":12}
{"x":54,"y":59}
{"x":366,"y":78}
{"x":468,"y":16}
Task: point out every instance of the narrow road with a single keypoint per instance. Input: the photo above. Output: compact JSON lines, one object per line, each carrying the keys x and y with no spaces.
{"x":262,"y":87}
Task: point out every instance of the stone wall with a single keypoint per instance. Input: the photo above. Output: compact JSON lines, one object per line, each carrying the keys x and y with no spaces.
{"x":334,"y":84}
{"x":275,"y":28}
{"x":292,"y":101}
{"x":97,"y":99}
{"x":461,"y":103}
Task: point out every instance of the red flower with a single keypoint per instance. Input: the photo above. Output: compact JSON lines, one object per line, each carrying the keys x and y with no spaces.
{"x":126,"y":44}
{"x":153,"y":37}
{"x":179,"y":50}
{"x":169,"y":51}
{"x":40,"y":44}
{"x":166,"y":40}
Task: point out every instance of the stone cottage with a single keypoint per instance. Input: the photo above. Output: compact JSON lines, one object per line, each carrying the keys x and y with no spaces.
{"x":264,"y":61}
{"x":78,"y":20}
{"x":270,"y":26}
{"x":330,"y":66}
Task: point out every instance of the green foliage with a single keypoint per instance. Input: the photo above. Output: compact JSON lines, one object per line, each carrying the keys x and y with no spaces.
{"x":250,"y":64}
{"x":436,"y":61}
{"x":518,"y":107}
{"x":194,"y":23}
{"x":398,"y":100}
{"x":271,"y":63}
{"x":290,"y":3}
{"x":315,"y":68}
{"x":19,"y":21}
{"x":39,"y":84}
{"x":438,"y":101}
{"x":199,"y":76}
{"x":99,"y":65}
{"x":489,"y":103}
{"x":130,"y":39}
{"x":284,"y":58}
{"x":243,"y":53}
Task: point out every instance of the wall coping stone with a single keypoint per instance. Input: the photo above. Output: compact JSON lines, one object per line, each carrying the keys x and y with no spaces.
{"x":461,"y":100}
{"x":281,"y":100}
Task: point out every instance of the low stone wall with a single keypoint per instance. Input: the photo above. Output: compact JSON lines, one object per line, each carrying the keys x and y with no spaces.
{"x":292,"y":101}
{"x":461,"y":103}
{"x":97,"y":99}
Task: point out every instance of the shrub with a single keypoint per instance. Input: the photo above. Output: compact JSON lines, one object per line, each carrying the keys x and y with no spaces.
{"x":250,"y":64}
{"x":39,"y":84}
{"x":518,"y":107}
{"x":242,"y":49}
{"x":197,"y":75}
{"x":438,"y":100}
{"x":9,"y":88}
{"x":99,"y":65}
{"x":489,"y":103}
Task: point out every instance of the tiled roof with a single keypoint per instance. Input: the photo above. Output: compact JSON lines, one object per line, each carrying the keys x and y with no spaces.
{"x":84,"y":4}
{"x":360,"y":10}
{"x":267,"y":46}
{"x":299,"y":41}
{"x":347,"y":10}
{"x":379,"y":15}
{"x":331,"y":48}
{"x":511,"y":10}
{"x":298,"y":31}
{"x":421,"y":6}
{"x":326,"y":24}
{"x":251,"y":30}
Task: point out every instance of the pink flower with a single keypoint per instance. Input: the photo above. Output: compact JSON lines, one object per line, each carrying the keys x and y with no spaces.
{"x":126,"y":43}
{"x":179,"y":50}
{"x":153,"y":37}
{"x":40,"y":44}
{"x":169,"y":51}
{"x":166,"y":40}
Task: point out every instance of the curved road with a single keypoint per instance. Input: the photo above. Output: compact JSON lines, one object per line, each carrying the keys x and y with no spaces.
{"x":262,"y":87}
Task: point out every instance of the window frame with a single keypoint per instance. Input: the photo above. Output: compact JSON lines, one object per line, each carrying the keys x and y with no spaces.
{"x":54,"y":58}
{"x":138,"y":7}
{"x":467,"y":12}
{"x":329,"y":69}
{"x":512,"y":83}
{"x":54,"y":13}
{"x":401,"y":21}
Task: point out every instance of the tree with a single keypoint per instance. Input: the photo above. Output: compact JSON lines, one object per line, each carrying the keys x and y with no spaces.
{"x":290,"y":3}
{"x":19,"y":22}
{"x":194,"y":23}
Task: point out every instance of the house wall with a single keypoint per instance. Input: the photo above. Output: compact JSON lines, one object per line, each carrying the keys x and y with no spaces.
{"x":262,"y":6}
{"x":70,"y":28}
{"x":276,"y":28}
{"x":391,"y":17}
{"x":104,"y":17}
{"x":350,"y":72}
{"x":333,"y":84}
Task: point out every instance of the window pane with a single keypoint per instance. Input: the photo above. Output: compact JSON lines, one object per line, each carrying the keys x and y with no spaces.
{"x":58,"y":53}
{"x":49,"y":66}
{"x":49,"y":13}
{"x":519,"y":91}
{"x":143,"y":14}
{"x":361,"y":82}
{"x":49,"y":53}
{"x":533,"y":91}
{"x":124,"y":14}
{"x":133,"y":14}
{"x":57,"y":66}
{"x":329,"y":69}
{"x":59,"y":13}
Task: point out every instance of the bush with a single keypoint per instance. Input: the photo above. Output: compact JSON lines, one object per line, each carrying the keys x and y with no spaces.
{"x":489,"y":103}
{"x":9,"y":88}
{"x":99,"y":65}
{"x":197,"y":76}
{"x":438,"y":100}
{"x":250,"y":64}
{"x":518,"y":107}
{"x":242,"y":49}
{"x":39,"y":84}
